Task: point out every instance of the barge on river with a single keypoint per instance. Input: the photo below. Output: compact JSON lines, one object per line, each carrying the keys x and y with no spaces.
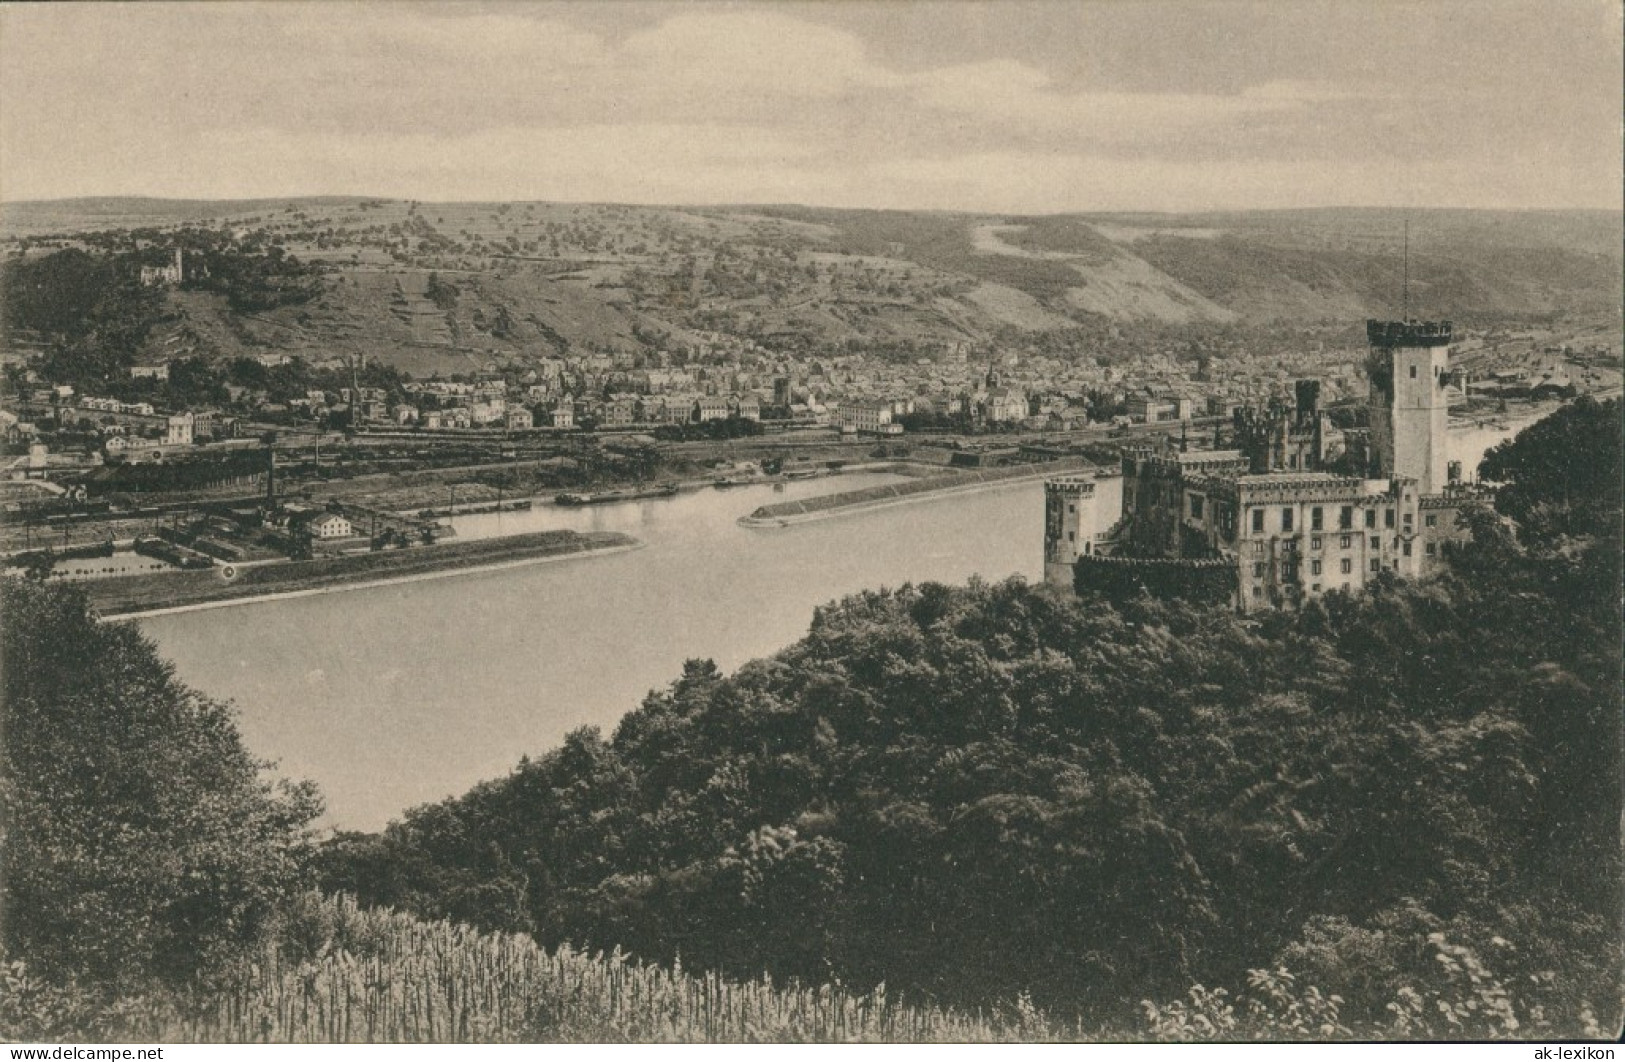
{"x":665,"y":490}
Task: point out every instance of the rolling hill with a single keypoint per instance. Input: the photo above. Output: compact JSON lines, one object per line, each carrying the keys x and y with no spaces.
{"x":525,"y":280}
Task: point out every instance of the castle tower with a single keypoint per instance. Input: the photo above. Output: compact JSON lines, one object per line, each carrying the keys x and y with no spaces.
{"x":1080,"y":511}
{"x":1409,"y":413}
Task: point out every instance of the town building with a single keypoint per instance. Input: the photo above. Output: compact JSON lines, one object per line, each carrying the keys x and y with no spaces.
{"x":866,"y":418}
{"x":180,"y":430}
{"x":712,"y":407}
{"x":166,"y":274}
{"x":329,"y":525}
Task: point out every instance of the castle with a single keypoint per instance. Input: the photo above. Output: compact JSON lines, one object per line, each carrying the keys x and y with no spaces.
{"x":169,"y":274}
{"x":1288,"y":514}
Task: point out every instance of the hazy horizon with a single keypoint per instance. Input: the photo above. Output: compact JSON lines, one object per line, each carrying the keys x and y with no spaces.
{"x":361,"y":196}
{"x":1025,"y":107}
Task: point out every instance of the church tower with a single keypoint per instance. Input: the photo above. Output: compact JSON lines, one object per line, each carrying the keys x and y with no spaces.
{"x":1409,"y":414}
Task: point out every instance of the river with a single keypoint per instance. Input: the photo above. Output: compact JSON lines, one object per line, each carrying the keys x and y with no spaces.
{"x":397,"y":695}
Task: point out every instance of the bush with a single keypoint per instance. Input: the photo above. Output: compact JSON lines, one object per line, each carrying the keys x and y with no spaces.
{"x":143,"y":846}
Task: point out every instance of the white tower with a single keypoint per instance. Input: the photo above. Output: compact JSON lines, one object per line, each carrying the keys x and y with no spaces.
{"x":1409,"y":414}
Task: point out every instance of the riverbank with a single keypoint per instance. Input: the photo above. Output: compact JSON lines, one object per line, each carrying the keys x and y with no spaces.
{"x":784,"y":514}
{"x":138,"y":597}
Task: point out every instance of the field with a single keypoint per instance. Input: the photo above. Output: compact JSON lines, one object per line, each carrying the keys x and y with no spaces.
{"x":354,"y":976}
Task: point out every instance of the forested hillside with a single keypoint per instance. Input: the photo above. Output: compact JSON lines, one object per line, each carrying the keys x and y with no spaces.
{"x":970,"y":793}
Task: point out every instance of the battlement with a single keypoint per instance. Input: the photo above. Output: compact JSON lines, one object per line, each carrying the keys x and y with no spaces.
{"x":1070,"y":485}
{"x":1205,"y":580}
{"x":1312,"y":487}
{"x":1390,"y":334}
{"x":1456,"y":496}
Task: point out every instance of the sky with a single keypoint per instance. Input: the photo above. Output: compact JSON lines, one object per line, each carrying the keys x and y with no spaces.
{"x":1006,"y":106}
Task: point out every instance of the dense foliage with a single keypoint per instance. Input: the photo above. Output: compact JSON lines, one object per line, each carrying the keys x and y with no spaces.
{"x":91,"y":315}
{"x":91,"y":311}
{"x":142,"y":846}
{"x":1560,"y":478}
{"x":968,"y":793}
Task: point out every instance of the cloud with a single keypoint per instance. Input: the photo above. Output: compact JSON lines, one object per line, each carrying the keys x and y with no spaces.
{"x":745,"y":103}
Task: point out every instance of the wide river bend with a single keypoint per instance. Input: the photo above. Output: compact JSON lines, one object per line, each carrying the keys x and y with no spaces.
{"x":397,"y":695}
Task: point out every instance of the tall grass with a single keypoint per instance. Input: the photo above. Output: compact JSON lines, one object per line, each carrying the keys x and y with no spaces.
{"x":346,"y":975}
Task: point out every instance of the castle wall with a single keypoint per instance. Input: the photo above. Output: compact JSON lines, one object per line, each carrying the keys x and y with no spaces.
{"x":1442,"y":526}
{"x":1302,"y":537}
{"x":1210,"y":582}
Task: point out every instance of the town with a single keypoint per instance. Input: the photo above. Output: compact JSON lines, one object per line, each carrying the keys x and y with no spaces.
{"x":171,"y":447}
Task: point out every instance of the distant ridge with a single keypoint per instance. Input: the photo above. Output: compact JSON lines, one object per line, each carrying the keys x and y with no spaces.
{"x":535,"y":279}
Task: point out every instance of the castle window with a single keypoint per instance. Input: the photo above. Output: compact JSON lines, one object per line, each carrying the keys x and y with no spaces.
{"x":1410,"y":519}
{"x":1315,"y":588}
{"x":1317,"y":518}
{"x":1314,"y":567}
{"x":1258,"y":591}
{"x":1371,"y":518}
{"x":1431,"y":520}
{"x":1286,"y":519}
{"x":1376,"y":542}
{"x":1258,"y":521}
{"x":1413,"y":372}
{"x":1407,"y":549}
{"x":1071,"y":536}
{"x":1432,"y":549}
{"x":1314,"y":543}
{"x":1388,"y":518}
{"x":1345,"y":518}
{"x":1289,"y":546}
{"x":1196,"y":506}
{"x":1258,"y":570}
{"x":1258,"y":547}
{"x":1346,"y":542}
{"x":1376,"y":565}
{"x":1347,"y":566}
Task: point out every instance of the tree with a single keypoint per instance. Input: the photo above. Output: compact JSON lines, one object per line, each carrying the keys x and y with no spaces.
{"x":1561,"y":475}
{"x":142,"y":845}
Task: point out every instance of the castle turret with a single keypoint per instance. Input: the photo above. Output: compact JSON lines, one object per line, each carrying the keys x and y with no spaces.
{"x":1080,"y":512}
{"x":1409,"y":412}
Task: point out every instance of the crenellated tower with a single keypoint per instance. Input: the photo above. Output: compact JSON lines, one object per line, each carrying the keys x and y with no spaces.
{"x":1409,"y":413}
{"x":1080,"y":512}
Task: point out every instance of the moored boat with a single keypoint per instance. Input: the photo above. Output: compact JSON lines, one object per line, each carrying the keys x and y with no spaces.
{"x":665,"y":490}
